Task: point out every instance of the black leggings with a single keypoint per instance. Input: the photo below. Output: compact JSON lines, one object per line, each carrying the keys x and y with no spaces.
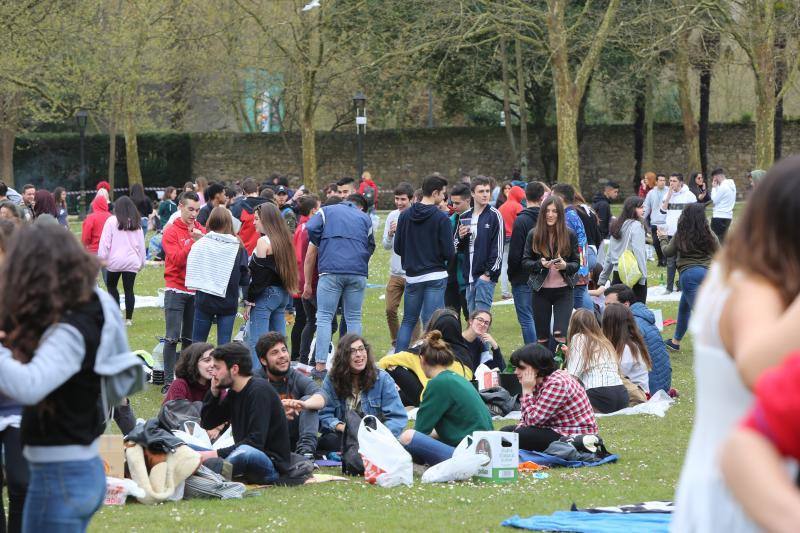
{"x":409,"y":383}
{"x":639,"y":290}
{"x":16,"y":472}
{"x":329,"y":442}
{"x":298,"y":327}
{"x":533,"y":438}
{"x":128,"y":278}
{"x":608,"y":399}
{"x":557,"y":303}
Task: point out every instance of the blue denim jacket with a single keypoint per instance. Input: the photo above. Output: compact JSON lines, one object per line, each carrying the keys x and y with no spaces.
{"x":382,"y":401}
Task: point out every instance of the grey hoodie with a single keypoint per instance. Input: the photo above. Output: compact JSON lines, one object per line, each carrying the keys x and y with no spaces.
{"x":632,"y":236}
{"x":58,"y":357}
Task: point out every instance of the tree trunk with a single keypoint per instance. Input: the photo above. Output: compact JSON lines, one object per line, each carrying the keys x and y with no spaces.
{"x":780,"y":79}
{"x":132,"y":152}
{"x":705,"y":99}
{"x":7,"y":136}
{"x":691,"y":136}
{"x":523,"y":112}
{"x":649,"y":152}
{"x":309,"y":153}
{"x":567,"y":135}
{"x":507,"y":100}
{"x":112,"y":154}
{"x":639,"y":110}
{"x":765,"y":127}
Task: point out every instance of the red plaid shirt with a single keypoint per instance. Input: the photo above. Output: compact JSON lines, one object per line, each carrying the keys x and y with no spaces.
{"x":559,"y":403}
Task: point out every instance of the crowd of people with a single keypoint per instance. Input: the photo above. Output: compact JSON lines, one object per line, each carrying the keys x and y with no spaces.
{"x":263,"y":250}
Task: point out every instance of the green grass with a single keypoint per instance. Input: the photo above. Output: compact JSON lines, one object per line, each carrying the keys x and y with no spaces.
{"x":651,"y":453}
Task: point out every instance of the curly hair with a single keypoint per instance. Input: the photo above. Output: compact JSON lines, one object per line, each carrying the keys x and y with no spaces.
{"x":693,"y":232}
{"x":186,"y":366}
{"x":45,"y":275}
{"x":340,"y":375}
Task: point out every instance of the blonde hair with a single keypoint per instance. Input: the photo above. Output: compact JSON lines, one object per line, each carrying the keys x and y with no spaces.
{"x":596,"y":345}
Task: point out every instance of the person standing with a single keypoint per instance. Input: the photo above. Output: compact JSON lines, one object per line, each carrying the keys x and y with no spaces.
{"x":397,"y":276}
{"x":308,"y":206}
{"x":723,"y":194}
{"x":345,"y":187}
{"x":178,"y":239}
{"x":341,"y":243}
{"x":602,"y":205}
{"x":482,"y":243}
{"x":215,"y":195}
{"x":627,"y":233}
{"x":93,"y":225}
{"x":697,"y":184}
{"x":369,"y":190}
{"x":425,"y":266}
{"x":167,"y":206}
{"x":28,"y":196}
{"x":677,"y":198}
{"x":122,"y":249}
{"x":518,"y":276}
{"x":653,"y":217}
{"x":455,"y":296}
{"x":44,"y":203}
{"x":142,"y":203}
{"x":509,"y":210}
{"x":566,"y":192}
{"x":60,"y":196}
{"x":244,"y":211}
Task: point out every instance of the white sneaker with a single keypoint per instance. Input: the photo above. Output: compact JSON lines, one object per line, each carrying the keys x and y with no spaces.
{"x":129,"y":322}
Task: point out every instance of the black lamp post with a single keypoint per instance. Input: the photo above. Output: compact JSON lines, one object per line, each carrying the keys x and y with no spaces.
{"x":360,"y":104}
{"x":81,"y":117}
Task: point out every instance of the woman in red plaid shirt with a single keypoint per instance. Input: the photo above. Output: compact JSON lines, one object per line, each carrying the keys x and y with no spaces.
{"x":553,"y":403}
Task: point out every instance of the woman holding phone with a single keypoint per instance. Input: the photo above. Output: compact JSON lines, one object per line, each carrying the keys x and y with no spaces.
{"x":551,"y":258}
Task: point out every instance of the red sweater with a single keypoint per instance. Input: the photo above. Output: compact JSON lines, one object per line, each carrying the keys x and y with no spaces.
{"x":177,"y":241}
{"x":300,"y":251}
{"x":183,"y":390}
{"x":92,"y":227}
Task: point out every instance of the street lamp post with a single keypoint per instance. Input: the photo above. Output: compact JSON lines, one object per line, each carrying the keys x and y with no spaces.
{"x":360,"y":102}
{"x":81,"y":118}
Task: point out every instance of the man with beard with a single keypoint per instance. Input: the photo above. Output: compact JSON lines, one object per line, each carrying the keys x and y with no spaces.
{"x":300,"y":395}
{"x":260,"y":454}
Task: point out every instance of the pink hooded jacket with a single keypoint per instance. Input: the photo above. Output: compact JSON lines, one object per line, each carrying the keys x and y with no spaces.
{"x":123,"y":251}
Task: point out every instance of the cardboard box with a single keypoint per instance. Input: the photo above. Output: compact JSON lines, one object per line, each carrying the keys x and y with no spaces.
{"x":502,"y":447}
{"x":112,"y":452}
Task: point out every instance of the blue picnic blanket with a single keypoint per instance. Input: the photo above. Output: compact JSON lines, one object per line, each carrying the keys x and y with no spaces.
{"x":551,"y":460}
{"x":583,"y":522}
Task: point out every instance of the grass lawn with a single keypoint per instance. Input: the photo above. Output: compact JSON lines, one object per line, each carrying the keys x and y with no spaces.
{"x":651,"y":452}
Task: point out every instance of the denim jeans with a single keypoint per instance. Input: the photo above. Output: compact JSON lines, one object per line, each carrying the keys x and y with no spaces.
{"x":426,"y":450}
{"x":63,"y":496}
{"x":179,"y":319}
{"x":420,"y":300}
{"x":581,"y":298}
{"x":202,"y":326}
{"x":523,"y":303}
{"x":480,"y":294}
{"x":268,"y":314}
{"x":690,"y":281}
{"x":330,"y":288}
{"x":303,"y":431}
{"x":251,"y":464}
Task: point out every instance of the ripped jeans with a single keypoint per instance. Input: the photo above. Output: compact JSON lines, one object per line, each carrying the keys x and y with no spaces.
{"x":179,"y":319}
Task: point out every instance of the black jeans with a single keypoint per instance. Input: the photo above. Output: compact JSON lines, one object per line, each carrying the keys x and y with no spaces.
{"x":128,"y":279}
{"x":456,"y":300}
{"x":409,"y":384}
{"x":608,"y":399}
{"x":179,"y":318}
{"x":330,"y":441}
{"x":557,"y":303}
{"x":639,"y":290}
{"x":298,"y":327}
{"x":720,"y":227}
{"x":310,"y":327}
{"x":657,"y":245}
{"x":533,"y":438}
{"x":16,"y":479}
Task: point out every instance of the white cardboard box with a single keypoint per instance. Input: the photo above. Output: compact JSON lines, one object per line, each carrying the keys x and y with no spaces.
{"x":502,"y":447}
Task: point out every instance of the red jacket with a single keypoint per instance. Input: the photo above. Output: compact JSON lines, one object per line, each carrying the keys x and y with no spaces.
{"x":177,"y":242}
{"x":93,"y":225}
{"x":511,"y":208}
{"x":369,"y":183}
{"x":300,"y":251}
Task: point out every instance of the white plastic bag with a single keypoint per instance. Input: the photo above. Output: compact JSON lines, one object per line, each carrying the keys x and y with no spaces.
{"x":193,"y":434}
{"x":462,"y":466}
{"x":118,"y":490}
{"x":386,"y":462}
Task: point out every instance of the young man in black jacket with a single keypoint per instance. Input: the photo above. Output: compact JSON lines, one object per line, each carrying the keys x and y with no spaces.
{"x":523,"y":225}
{"x":260,"y":431}
{"x":481,"y":236}
{"x":602,"y":204}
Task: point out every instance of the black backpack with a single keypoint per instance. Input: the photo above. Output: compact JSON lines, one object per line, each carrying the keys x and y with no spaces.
{"x":369,"y":195}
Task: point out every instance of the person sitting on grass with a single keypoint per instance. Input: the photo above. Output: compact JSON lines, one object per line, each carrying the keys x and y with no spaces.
{"x":621,"y":330}
{"x":261,"y":452}
{"x":192,"y":374}
{"x":406,"y":368}
{"x":553,"y":403}
{"x":483,"y":348}
{"x":299,"y":394}
{"x":354,"y":382}
{"x":451,"y":408}
{"x":660,"y":376}
{"x":592,"y":361}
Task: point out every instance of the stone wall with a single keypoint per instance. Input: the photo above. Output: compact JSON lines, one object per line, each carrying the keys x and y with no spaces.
{"x":408,"y":155}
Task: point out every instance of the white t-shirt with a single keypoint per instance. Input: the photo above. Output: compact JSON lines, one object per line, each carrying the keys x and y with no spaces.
{"x":604,"y":373}
{"x":724,"y":198}
{"x":634,"y":369}
{"x":395,"y":263}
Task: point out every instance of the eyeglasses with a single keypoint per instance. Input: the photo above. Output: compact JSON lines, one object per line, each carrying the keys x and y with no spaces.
{"x":359,"y":349}
{"x":482,"y":321}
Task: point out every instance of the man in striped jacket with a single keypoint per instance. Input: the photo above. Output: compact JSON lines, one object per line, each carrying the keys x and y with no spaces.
{"x":480,"y":236}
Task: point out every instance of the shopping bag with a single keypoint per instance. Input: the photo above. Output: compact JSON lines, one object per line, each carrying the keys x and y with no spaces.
{"x":628,"y":269}
{"x":193,"y":434}
{"x":464,"y":464}
{"x":386,"y":462}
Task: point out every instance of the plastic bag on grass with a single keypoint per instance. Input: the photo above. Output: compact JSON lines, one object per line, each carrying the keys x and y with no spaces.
{"x":462,"y":466}
{"x":386,"y":462}
{"x":193,"y":434}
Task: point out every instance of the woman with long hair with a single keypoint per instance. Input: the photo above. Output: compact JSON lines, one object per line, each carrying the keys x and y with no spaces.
{"x":450,"y":410}
{"x":273,"y":273}
{"x":627,"y":233}
{"x":745,"y":322}
{"x":621,"y":330}
{"x":697,"y":184}
{"x":167,"y":206}
{"x":482,"y":346}
{"x":193,"y":372}
{"x":143,"y":204}
{"x":218,"y":246}
{"x":44,"y":204}
{"x":551,"y":258}
{"x":502,"y":196}
{"x":355,"y":383}
{"x":200,"y":186}
{"x":60,"y":197}
{"x":693,"y":246}
{"x":592,"y":360}
{"x":63,"y":342}
{"x":646,"y":184}
{"x":122,"y":251}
